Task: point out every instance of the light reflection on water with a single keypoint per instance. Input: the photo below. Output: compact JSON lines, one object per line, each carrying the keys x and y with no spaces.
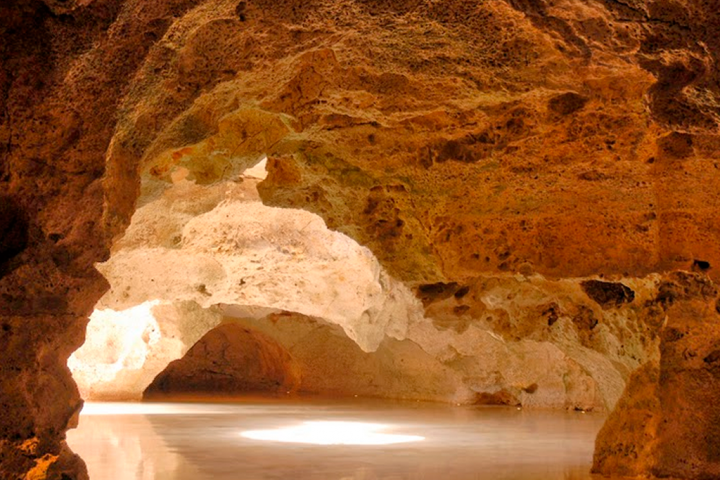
{"x":185,"y":441}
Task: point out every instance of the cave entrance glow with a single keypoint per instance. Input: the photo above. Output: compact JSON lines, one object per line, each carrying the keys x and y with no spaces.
{"x":213,"y":260}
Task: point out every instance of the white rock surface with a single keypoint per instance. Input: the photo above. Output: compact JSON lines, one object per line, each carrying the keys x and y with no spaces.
{"x":242,"y":252}
{"x":124,"y":350}
{"x":195,"y":253}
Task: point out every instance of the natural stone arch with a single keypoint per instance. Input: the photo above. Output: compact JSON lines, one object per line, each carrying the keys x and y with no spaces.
{"x":198,"y":252}
{"x":253,"y":364}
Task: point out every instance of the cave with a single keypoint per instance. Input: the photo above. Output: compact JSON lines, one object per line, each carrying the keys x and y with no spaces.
{"x":359,"y":239}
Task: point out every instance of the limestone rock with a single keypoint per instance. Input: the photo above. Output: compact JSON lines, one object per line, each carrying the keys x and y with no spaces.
{"x":665,"y":425}
{"x":314,"y":358}
{"x":230,"y":249}
{"x":626,"y":445}
{"x":504,"y":331}
{"x":502,"y":339}
{"x":608,"y":294}
{"x":688,"y":435}
{"x":125,"y":350}
{"x":494,"y":352}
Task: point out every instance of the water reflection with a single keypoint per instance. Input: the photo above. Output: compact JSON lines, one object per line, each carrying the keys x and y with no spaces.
{"x":204,"y":441}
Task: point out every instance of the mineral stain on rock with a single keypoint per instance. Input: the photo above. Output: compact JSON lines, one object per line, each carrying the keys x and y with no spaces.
{"x":608,"y":294}
{"x":433,"y":292}
{"x":567,"y":103}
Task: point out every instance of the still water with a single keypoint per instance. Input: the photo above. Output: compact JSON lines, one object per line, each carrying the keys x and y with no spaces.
{"x":332,"y":441}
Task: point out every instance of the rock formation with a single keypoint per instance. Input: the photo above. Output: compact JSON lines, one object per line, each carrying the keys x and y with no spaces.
{"x":666,"y":424}
{"x":230,"y":249}
{"x":506,"y":339}
{"x":466,"y":144}
{"x":124,"y":351}
{"x":229,"y":360}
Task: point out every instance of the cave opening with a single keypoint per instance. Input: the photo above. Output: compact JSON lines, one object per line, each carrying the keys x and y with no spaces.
{"x":210,"y":300}
{"x":219,"y":299}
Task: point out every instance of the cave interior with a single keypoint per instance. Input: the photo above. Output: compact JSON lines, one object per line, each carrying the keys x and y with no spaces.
{"x":449,"y":207}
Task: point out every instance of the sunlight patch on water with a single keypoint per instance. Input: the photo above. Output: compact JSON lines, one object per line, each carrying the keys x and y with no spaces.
{"x":332,"y":433}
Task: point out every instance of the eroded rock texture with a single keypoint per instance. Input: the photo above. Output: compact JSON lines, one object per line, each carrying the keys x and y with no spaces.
{"x":502,"y":339}
{"x":219,"y":245}
{"x":125,"y":350}
{"x":457,"y":140}
{"x":475,"y":366}
{"x":62,"y":75}
{"x":666,"y":424}
{"x":316,"y":358}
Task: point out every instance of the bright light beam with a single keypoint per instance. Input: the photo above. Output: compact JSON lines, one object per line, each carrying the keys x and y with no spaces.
{"x":332,"y":433}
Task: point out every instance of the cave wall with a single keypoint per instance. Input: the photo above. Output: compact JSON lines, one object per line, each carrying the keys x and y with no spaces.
{"x":198,"y":251}
{"x":218,"y":245}
{"x":230,"y":360}
{"x":62,"y":75}
{"x":125,"y":350}
{"x":457,"y":366}
{"x":666,"y":423}
{"x":452,"y":138}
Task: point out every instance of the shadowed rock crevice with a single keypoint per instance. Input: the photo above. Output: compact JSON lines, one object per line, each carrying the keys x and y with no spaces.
{"x":230,"y":360}
{"x":14,"y":233}
{"x":608,"y":294}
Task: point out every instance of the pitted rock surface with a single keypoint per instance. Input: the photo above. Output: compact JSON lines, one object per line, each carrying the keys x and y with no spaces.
{"x":454,"y":139}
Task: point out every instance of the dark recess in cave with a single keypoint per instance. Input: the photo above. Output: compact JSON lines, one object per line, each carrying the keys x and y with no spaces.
{"x":608,"y":294}
{"x":13,"y":233}
{"x":229,"y":360}
{"x":433,"y":292}
{"x":701,"y":265}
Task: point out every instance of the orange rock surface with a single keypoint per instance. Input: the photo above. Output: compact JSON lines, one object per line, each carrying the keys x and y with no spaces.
{"x":667,"y":423}
{"x":231,"y":360}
